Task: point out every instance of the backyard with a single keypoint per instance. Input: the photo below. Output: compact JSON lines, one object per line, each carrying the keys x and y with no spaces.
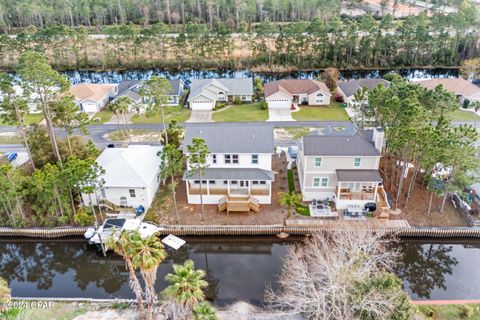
{"x":467,"y":116}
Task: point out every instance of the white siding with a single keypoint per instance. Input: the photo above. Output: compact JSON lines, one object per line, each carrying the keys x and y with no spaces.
{"x":312,"y":99}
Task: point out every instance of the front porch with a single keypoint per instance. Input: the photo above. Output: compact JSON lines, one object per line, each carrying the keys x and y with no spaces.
{"x":229,"y":188}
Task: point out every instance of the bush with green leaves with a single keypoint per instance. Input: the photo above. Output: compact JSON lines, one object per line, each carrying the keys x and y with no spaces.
{"x":237,"y":100}
{"x":84,"y":217}
{"x":204,"y":311}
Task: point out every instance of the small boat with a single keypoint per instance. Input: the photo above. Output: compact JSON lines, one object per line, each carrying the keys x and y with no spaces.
{"x":115,"y":226}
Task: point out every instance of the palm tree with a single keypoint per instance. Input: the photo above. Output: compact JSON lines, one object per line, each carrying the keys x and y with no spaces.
{"x":147,"y":254}
{"x":186,"y":284}
{"x":121,"y":247}
{"x":290,"y":200}
{"x":120,"y":107}
{"x":204,"y":311}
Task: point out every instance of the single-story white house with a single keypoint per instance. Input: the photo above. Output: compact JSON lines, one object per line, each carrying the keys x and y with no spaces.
{"x":131,"y":89}
{"x":204,"y":93}
{"x":132,"y":176}
{"x":348,"y":89}
{"x":92,"y":97}
{"x":285,"y":95}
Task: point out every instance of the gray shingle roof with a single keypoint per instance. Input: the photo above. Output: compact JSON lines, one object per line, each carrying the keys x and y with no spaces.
{"x":235,"y":86}
{"x":359,"y":175}
{"x":334,"y":144}
{"x":131,"y":88}
{"x":352,"y":86}
{"x":233,"y":174}
{"x":231,"y":138}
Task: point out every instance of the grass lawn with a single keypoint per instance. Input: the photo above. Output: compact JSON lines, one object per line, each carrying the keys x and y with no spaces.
{"x":243,"y":112}
{"x":301,"y":209}
{"x":104,"y":116}
{"x":179,"y":114}
{"x":333,"y":112}
{"x":449,"y":311}
{"x":33,"y":118}
{"x":461,"y":115}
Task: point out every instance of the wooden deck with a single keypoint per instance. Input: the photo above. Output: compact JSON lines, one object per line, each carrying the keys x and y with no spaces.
{"x":238,"y":204}
{"x":369,"y":223}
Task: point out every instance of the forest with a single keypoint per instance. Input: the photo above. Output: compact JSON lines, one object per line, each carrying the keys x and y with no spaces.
{"x":418,"y":41}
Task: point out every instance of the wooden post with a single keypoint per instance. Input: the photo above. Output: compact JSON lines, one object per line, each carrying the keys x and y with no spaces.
{"x":376,"y":192}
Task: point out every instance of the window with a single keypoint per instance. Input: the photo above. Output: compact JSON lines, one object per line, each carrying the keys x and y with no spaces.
{"x":235,"y":159}
{"x":225,"y":182}
{"x":254,"y":182}
{"x":214,"y":158}
{"x":263,"y":182}
{"x":319,"y":98}
{"x":132,"y":193}
{"x":211,"y":182}
{"x":103,"y":193}
{"x":228,"y":159}
{"x":320,"y":182}
{"x":196,"y":182}
{"x":254,"y":158}
{"x":356,"y":162}
{"x":318,"y":162}
{"x":233,"y":182}
{"x":324,"y":182}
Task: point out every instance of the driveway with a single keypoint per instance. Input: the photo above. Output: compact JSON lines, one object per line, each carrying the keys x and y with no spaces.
{"x":200,"y":116}
{"x":279,"y":114}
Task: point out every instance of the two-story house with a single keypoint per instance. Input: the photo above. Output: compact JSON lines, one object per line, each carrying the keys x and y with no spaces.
{"x":204,"y":93}
{"x":341,"y":165}
{"x":239,"y":163}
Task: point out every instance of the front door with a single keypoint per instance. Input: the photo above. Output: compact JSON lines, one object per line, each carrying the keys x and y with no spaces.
{"x":244,"y":184}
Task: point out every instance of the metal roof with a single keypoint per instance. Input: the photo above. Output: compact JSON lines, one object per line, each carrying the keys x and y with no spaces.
{"x":131,"y":88}
{"x":232,"y":174}
{"x":231,"y":138}
{"x":360,"y":175}
{"x":351,"y":87}
{"x":348,"y":144}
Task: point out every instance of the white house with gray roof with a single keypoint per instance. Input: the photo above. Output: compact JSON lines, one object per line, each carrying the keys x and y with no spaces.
{"x":340,"y":162}
{"x":349,"y":88}
{"x":240,"y":162}
{"x":131,"y":89}
{"x":204,"y":93}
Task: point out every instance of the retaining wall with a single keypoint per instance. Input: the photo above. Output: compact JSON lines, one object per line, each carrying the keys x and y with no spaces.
{"x":273,"y":230}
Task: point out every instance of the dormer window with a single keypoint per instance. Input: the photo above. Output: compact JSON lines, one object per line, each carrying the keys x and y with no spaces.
{"x":318,"y":162}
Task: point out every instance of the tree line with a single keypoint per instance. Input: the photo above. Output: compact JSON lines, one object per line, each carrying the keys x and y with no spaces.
{"x":441,"y":40}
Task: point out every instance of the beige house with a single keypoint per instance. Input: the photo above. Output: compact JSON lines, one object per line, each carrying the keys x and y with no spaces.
{"x":284,"y":96}
{"x":92,"y":97}
{"x":341,"y":165}
{"x":463,"y":89}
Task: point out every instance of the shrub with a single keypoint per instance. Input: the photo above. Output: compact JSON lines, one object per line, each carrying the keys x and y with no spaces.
{"x":291,"y":183}
{"x":263,"y":105}
{"x":467,"y":311}
{"x":237,"y":100}
{"x":84,"y":217}
{"x":466,"y":104}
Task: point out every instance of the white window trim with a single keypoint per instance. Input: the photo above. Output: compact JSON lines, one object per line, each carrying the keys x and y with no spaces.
{"x":359,"y":162}
{"x":258,"y":159}
{"x":315,"y":162}
{"x":320,"y":182}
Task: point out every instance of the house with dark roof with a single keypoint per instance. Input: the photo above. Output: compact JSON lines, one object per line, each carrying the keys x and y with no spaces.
{"x":131,"y":89}
{"x":204,"y":93}
{"x":348,"y":89}
{"x":284,"y":96}
{"x":340,"y":163}
{"x":239,"y":165}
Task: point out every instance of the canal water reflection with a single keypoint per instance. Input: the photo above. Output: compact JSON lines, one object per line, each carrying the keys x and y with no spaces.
{"x":237,"y":270}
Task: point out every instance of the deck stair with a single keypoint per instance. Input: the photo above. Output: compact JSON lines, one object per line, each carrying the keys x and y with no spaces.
{"x":238,"y":204}
{"x":108,"y":205}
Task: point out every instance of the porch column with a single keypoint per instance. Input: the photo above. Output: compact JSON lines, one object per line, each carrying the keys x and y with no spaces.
{"x":228,"y":187}
{"x":338,"y":191}
{"x":270,"y":189}
{"x":376,"y":191}
{"x":208,"y":187}
{"x":188,"y":187}
{"x":249,"y":187}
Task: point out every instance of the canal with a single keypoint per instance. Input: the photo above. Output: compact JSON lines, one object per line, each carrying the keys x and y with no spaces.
{"x":79,"y":76}
{"x":237,"y":269}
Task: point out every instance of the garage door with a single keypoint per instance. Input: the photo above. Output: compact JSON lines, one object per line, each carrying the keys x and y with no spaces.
{"x":201,"y":105}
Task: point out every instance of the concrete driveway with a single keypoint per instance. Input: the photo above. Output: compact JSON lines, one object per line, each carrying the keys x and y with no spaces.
{"x":200,"y":116}
{"x":279,"y":114}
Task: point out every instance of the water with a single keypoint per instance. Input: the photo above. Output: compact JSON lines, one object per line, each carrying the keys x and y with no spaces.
{"x":79,"y":76}
{"x":237,"y":270}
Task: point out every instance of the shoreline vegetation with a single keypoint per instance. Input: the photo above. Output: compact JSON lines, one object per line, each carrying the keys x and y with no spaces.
{"x":364,"y":43}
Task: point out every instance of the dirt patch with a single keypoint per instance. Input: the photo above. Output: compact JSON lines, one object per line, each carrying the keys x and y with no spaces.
{"x":136,"y":135}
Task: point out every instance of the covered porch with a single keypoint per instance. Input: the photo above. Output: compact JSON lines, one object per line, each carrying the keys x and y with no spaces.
{"x":359,"y":187}
{"x":220,"y":182}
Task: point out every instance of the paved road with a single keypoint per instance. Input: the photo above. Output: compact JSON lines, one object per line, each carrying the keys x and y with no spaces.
{"x":97,"y":132}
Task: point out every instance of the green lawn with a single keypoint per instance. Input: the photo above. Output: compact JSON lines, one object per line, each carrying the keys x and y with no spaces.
{"x":449,"y":311}
{"x":103,"y":115}
{"x":333,"y":112}
{"x":461,"y":115}
{"x":240,"y":113}
{"x":30,"y":119}
{"x":179,"y":114}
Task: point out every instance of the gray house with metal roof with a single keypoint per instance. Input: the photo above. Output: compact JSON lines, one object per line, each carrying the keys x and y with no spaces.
{"x":239,"y":163}
{"x":341,"y":165}
{"x":349,"y":88}
{"x":131,"y":89}
{"x":204,"y":93}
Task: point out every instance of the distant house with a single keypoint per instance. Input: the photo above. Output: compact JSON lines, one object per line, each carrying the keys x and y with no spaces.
{"x":341,"y":163}
{"x":131,"y":89}
{"x":463,"y":89}
{"x":284,"y":95}
{"x":92,"y":97}
{"x":348,"y":89}
{"x":240,"y":162}
{"x":132,"y":176}
{"x":204,"y":93}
